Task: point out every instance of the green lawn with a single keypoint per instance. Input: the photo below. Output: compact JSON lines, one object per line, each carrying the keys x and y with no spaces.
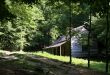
{"x":77,"y":61}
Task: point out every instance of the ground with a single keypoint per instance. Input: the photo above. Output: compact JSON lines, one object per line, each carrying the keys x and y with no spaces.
{"x":13,"y":63}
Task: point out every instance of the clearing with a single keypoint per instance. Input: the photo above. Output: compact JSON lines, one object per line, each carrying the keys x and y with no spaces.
{"x":16,"y":63}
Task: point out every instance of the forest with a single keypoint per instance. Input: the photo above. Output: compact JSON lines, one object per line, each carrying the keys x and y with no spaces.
{"x":34,"y":24}
{"x":27,"y":27}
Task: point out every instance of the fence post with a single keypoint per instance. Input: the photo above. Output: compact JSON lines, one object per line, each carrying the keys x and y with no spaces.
{"x":70,"y":31}
{"x":60,"y":51}
{"x":107,"y":33}
{"x":89,"y":35}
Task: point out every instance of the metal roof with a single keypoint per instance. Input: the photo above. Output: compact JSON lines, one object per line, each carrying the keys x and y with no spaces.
{"x":56,"y":45}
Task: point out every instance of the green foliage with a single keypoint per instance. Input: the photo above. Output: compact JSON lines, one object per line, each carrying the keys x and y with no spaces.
{"x":16,"y":31}
{"x":99,"y":30}
{"x":54,"y":33}
{"x":7,"y":31}
{"x":36,"y":23}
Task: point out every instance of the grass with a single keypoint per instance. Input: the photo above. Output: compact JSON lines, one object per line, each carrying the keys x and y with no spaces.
{"x":100,"y":66}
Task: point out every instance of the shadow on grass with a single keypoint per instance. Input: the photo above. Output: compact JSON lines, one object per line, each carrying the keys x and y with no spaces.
{"x":94,"y":65}
{"x":25,"y":62}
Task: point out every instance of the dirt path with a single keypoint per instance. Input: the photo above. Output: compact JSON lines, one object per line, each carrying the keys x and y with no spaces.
{"x":26,"y":64}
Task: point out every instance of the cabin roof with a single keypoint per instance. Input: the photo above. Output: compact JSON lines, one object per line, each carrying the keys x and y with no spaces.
{"x":63,"y":39}
{"x":56,"y":45}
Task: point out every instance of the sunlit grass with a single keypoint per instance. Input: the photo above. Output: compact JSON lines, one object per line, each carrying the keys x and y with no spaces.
{"x":9,"y":52}
{"x":100,"y":66}
{"x":76,"y":61}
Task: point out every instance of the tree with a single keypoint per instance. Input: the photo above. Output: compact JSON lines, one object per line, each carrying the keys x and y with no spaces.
{"x":24,"y":23}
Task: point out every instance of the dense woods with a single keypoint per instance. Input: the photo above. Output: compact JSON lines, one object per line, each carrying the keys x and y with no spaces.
{"x":34,"y":24}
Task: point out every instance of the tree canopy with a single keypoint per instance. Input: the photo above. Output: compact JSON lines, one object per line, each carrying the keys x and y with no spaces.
{"x":33,"y":24}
